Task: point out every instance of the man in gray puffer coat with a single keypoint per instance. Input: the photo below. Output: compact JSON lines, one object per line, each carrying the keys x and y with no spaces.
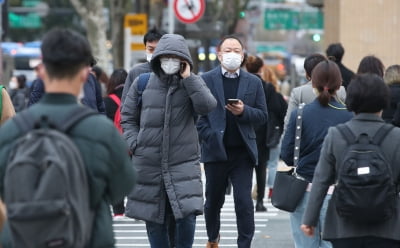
{"x":164,"y":143}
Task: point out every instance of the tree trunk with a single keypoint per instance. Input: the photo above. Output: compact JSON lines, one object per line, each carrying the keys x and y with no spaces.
{"x":117,"y":12}
{"x":157,"y":7}
{"x":91,"y":12}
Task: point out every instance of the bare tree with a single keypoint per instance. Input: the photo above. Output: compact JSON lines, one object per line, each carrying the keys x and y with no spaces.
{"x":118,"y":9}
{"x":91,"y":12}
{"x":226,"y":12}
{"x":157,"y":7}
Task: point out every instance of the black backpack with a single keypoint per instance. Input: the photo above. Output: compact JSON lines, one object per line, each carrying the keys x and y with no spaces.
{"x":365,"y":192}
{"x":46,"y":188}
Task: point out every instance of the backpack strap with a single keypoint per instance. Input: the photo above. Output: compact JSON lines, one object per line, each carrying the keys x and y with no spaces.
{"x":381,"y":134}
{"x":347,"y":134}
{"x":24,"y":121}
{"x":142,"y":83}
{"x":76,"y":115}
{"x":115,"y":98}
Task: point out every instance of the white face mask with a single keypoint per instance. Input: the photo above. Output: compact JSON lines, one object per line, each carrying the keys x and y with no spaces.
{"x":170,"y":65}
{"x":12,"y":84}
{"x":149,"y":56}
{"x":231,"y":61}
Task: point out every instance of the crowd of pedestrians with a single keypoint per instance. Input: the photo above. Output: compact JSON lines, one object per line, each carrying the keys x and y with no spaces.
{"x":153,"y":129}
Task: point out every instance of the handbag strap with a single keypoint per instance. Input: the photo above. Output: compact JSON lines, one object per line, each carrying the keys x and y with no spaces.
{"x":299,"y":124}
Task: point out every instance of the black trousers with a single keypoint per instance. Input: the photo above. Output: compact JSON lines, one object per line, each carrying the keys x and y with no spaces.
{"x":239,"y":169}
{"x":365,"y":242}
{"x":119,"y":208}
{"x":261,"y":171}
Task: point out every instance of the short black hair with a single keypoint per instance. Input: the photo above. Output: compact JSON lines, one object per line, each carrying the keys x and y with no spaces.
{"x":97,"y":71}
{"x":311,"y":61}
{"x":65,"y":52}
{"x":371,"y":64}
{"x":367,"y":93}
{"x":153,"y":34}
{"x":335,"y":52}
{"x":231,"y":36}
{"x":21,"y":79}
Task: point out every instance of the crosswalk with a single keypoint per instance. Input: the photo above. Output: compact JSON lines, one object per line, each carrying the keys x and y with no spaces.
{"x":132,"y":233}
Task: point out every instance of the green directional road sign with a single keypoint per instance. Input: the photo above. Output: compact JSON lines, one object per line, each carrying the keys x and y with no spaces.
{"x":288,"y":19}
{"x":30,"y":20}
{"x":30,"y":3}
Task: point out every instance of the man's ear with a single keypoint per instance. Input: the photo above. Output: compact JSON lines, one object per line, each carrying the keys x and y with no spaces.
{"x":84,"y":73}
{"x":43,"y":74}
{"x":219,"y":55}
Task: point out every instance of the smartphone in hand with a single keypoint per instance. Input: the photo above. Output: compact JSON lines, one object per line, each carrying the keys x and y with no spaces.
{"x":183,"y":67}
{"x":233,"y":101}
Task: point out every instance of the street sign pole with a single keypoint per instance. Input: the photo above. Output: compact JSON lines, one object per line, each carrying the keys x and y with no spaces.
{"x":171,"y":19}
{"x":135,"y":27}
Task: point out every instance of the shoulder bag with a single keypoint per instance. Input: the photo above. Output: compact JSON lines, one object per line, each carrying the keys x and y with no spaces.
{"x":289,"y":187}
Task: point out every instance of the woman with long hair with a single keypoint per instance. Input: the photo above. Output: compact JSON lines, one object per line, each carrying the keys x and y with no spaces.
{"x":367,"y":96}
{"x":276,"y":107}
{"x":317,"y":117}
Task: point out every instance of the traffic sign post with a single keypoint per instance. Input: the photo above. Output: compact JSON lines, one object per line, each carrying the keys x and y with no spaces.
{"x":189,"y":11}
{"x":135,"y":27}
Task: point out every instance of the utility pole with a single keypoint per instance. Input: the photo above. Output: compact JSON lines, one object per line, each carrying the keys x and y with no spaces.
{"x":171,"y":17}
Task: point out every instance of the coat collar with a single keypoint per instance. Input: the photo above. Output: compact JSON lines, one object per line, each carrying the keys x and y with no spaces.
{"x":368,"y":117}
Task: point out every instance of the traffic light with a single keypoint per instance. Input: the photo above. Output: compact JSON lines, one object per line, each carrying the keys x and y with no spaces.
{"x":242,"y":14}
{"x":316,"y":37}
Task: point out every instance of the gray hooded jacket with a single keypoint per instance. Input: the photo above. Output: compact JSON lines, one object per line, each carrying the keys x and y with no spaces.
{"x":164,"y":142}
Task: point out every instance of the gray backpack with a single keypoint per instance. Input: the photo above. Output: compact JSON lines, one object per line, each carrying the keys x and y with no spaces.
{"x":46,"y":189}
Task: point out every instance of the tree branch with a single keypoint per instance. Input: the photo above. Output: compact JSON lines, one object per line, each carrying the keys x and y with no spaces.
{"x":82,"y":11}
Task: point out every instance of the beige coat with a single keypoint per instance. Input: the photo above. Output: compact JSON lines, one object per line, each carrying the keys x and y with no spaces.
{"x":8,"y":108}
{"x":7,"y":112}
{"x":305,"y":94}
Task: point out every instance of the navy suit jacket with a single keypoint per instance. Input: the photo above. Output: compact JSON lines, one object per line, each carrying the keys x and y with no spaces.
{"x":37,"y":91}
{"x":211,"y":127}
{"x":92,"y":94}
{"x":93,"y":98}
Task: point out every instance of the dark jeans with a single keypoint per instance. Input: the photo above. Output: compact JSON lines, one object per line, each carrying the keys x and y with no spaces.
{"x":160,"y":235}
{"x":261,"y":171}
{"x":119,"y":208}
{"x":239,"y":169}
{"x":365,"y":242}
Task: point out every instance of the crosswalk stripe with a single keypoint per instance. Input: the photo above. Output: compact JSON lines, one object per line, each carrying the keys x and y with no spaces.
{"x":197,"y":225}
{"x":197,"y":231}
{"x":194,"y":245}
{"x":132,"y":233}
{"x":256,"y":219}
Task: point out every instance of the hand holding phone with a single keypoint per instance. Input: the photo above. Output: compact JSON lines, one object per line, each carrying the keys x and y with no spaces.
{"x":184,"y":70}
{"x":233,"y":101}
{"x":235,"y":106}
{"x":183,"y":67}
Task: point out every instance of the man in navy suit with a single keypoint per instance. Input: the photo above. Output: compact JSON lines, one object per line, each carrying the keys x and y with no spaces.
{"x":228,"y":140}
